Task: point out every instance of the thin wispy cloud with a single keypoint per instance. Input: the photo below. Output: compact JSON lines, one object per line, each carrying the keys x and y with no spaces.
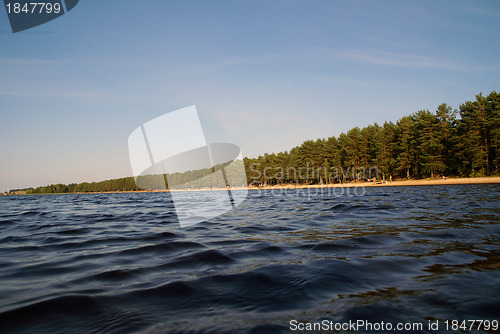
{"x":76,"y":60}
{"x":61,"y":94}
{"x":486,"y":12}
{"x":318,"y":55}
{"x":244,"y":61}
{"x":33,"y":61}
{"x":385,"y":42}
{"x":399,"y":59}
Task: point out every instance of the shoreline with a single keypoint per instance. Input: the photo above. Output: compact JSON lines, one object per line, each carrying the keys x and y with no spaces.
{"x":396,"y":183}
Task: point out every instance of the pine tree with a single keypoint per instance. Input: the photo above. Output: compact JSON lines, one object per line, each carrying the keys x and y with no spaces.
{"x":404,"y":148}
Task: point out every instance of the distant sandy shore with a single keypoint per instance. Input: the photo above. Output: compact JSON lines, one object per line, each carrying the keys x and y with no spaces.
{"x":411,"y":182}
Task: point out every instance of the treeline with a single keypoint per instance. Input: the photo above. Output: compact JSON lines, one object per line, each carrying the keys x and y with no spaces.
{"x":463,"y":142}
{"x":196,"y":179}
{"x":122,"y":184}
{"x":447,"y":142}
{"x":14,"y":191}
{"x":221,"y":175}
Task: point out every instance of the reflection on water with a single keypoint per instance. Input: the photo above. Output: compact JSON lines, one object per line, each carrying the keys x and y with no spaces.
{"x":121,"y":263}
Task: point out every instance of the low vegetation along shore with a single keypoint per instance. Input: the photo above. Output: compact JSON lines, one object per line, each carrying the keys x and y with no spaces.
{"x":419,"y":149}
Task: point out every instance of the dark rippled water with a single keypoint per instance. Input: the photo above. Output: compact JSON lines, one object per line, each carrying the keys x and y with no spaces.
{"x":120,"y":263}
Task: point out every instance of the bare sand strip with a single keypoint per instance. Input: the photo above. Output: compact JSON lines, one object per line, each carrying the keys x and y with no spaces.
{"x":411,"y":182}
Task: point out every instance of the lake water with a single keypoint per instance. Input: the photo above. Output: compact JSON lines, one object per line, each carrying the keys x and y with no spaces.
{"x":120,"y":263}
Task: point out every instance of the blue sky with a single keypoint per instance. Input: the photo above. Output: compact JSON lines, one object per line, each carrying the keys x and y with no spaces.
{"x":265,"y":75}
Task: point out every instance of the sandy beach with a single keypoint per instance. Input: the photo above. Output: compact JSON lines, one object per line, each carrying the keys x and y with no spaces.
{"x":410,"y":182}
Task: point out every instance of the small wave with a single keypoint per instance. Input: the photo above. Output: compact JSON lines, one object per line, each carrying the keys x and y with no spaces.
{"x":52,"y":310}
{"x":174,"y":289}
{"x":167,"y":247}
{"x":269,"y":252}
{"x":117,"y":275}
